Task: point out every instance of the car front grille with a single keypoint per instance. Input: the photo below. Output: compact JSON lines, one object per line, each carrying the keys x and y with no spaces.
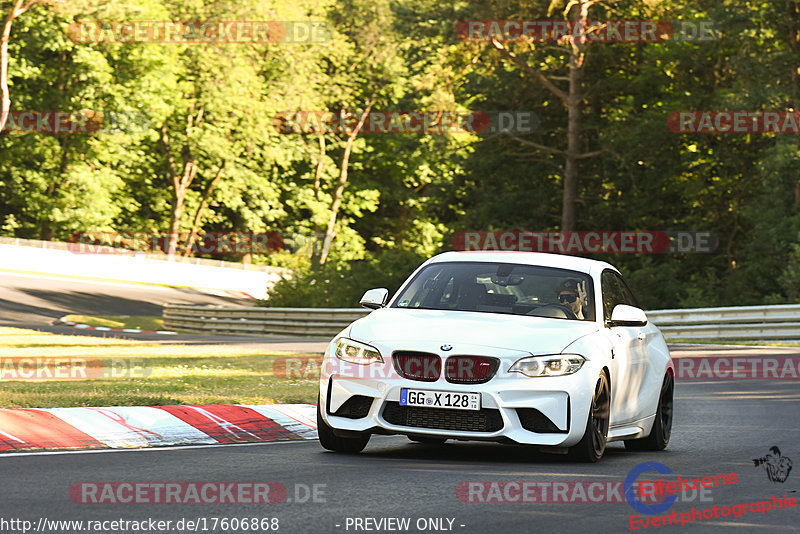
{"x":470,"y":369}
{"x":484,"y":420}
{"x":422,"y":366}
{"x":356,"y":407}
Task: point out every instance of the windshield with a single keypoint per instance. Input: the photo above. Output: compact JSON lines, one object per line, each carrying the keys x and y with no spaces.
{"x":501,"y":288}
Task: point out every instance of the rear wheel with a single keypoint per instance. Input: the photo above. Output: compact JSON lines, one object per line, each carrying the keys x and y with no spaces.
{"x":332,"y":442}
{"x":662,"y":426}
{"x":593,"y":444}
{"x":428,"y":440}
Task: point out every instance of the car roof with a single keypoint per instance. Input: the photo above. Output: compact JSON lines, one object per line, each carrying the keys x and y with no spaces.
{"x":561,"y":261}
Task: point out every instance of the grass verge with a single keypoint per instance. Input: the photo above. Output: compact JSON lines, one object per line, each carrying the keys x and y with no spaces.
{"x":179,"y":374}
{"x":140,"y":322}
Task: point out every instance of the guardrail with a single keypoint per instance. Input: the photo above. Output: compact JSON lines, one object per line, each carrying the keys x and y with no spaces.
{"x":304,"y":322}
{"x":736,"y":323}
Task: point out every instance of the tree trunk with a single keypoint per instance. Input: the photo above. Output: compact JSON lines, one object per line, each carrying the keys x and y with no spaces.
{"x":570,"y":185}
{"x":320,"y":162}
{"x":336,"y":204}
{"x":319,"y":237}
{"x":573,"y":100}
{"x":176,"y":212}
{"x":4,"y":94}
{"x":5,"y":105}
{"x":198,"y":215}
{"x":574,"y":125}
{"x":180,"y":181}
{"x":178,"y":197}
{"x":793,"y":39}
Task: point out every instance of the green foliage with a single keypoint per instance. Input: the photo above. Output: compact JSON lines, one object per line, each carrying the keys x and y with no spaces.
{"x":341,"y":284}
{"x":407,"y":194}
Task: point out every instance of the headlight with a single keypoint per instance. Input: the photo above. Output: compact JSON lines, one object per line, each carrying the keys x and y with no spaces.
{"x":551,"y":365}
{"x":355,"y":352}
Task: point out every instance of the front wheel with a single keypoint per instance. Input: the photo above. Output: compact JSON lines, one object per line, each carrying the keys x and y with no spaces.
{"x":662,"y":425}
{"x":336,"y":443}
{"x":593,"y":444}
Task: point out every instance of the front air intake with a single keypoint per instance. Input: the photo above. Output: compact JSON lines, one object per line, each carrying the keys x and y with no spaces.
{"x":356,"y":407}
{"x":483,"y":420}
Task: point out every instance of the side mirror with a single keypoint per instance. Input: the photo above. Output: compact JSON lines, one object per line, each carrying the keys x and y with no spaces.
{"x":624,"y":315}
{"x":375,"y":298}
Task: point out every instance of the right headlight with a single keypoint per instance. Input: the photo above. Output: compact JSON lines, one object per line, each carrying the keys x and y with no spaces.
{"x":548,"y":365}
{"x":354,"y":352}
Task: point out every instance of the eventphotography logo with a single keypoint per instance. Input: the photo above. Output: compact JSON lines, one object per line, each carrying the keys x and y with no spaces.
{"x":777,"y":466}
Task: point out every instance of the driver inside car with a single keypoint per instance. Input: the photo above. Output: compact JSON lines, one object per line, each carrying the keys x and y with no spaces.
{"x":572,"y":294}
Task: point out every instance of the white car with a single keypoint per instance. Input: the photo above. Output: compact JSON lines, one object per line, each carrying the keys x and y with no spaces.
{"x":514,"y":347}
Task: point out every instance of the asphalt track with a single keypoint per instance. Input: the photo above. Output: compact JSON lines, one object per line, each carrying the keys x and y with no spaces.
{"x":720,"y":427}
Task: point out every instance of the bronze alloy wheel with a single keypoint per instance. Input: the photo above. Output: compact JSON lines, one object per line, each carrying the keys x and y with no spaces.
{"x":593,"y":444}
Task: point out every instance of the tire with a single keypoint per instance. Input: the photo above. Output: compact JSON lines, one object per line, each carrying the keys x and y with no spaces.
{"x":332,"y":442}
{"x":428,"y":440}
{"x":593,"y":443}
{"x":662,"y":425}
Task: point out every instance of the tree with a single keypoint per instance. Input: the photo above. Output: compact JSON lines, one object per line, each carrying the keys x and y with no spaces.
{"x":372,"y":72}
{"x":218,"y":145}
{"x":18,"y":8}
{"x":64,"y":182}
{"x":577,"y":11}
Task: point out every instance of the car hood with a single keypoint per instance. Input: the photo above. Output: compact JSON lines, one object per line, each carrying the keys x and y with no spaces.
{"x":537,"y":335}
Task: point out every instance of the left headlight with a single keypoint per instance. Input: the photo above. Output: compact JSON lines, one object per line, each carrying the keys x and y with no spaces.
{"x":550,"y":365}
{"x":355,"y":352}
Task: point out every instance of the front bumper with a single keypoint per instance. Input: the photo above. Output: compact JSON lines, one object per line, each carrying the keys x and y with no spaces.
{"x":545,"y":411}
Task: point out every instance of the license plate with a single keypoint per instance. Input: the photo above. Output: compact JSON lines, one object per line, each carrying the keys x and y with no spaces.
{"x":440,"y":399}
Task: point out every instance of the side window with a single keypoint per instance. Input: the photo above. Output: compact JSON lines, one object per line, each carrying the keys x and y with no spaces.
{"x":627,"y":295}
{"x":615,"y":291}
{"x":612,"y":293}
